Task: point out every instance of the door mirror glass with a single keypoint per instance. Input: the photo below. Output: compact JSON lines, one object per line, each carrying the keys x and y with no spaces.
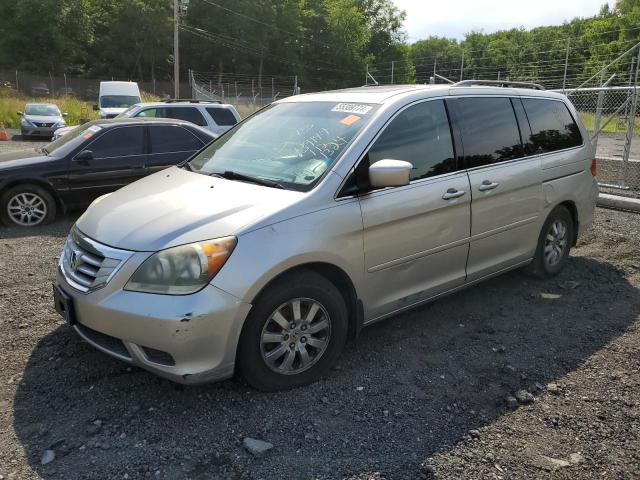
{"x":84,"y":156}
{"x":64,"y":114}
{"x":20,"y":113}
{"x":389,"y":173}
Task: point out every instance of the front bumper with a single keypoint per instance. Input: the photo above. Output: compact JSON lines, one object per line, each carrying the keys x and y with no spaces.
{"x":188,"y":339}
{"x":38,"y":131}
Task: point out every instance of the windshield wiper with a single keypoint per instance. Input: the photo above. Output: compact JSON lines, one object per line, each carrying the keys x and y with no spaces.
{"x":231,"y":175}
{"x":42,"y":150}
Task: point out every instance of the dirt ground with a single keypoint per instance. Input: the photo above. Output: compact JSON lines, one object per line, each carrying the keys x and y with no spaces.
{"x":422,"y":395}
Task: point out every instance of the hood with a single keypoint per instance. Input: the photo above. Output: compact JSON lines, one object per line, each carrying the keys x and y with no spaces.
{"x":112,"y":111}
{"x":43,"y":118}
{"x":21,"y":158}
{"x":175,"y":207}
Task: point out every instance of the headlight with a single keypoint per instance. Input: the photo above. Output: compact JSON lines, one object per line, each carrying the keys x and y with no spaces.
{"x":61,"y":124}
{"x":182,"y":270}
{"x":25,"y":123}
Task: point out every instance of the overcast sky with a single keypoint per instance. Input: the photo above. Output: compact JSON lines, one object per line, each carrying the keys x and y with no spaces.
{"x":455,"y":18}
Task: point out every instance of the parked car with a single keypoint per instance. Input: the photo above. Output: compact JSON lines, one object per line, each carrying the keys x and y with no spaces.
{"x":213,"y":116}
{"x":97,"y":158}
{"x":319,"y":215}
{"x":116,"y":97}
{"x":40,"y":90}
{"x":41,"y":120}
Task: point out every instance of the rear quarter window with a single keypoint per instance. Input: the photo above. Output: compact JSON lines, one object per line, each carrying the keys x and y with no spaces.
{"x":552,"y":126}
{"x":222,"y":116}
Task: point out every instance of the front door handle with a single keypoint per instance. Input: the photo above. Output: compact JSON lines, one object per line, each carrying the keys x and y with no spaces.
{"x":452,"y":193}
{"x":487,"y":185}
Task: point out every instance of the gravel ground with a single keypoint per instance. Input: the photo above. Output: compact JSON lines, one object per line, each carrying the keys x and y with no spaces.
{"x":422,"y":395}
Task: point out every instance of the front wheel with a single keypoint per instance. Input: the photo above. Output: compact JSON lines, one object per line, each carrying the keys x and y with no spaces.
{"x":27,"y":206}
{"x":554,"y":244}
{"x":294,"y":333}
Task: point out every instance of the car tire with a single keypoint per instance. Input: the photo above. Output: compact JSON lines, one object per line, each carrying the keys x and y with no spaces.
{"x":554,"y":244}
{"x":39,"y":206}
{"x":280,"y":348}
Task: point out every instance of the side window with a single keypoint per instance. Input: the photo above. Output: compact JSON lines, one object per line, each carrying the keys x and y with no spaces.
{"x":420,"y":135}
{"x":152,"y":113}
{"x":489,"y":130}
{"x":119,"y":142}
{"x":552,"y":126}
{"x":189,"y":114}
{"x":222,"y":116}
{"x":165,"y":139}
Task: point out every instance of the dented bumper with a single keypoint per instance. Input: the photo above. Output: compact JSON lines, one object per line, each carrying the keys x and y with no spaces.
{"x":187,"y":339}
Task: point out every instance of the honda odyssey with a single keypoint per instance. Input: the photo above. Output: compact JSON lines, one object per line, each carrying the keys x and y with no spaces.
{"x":319,"y":215}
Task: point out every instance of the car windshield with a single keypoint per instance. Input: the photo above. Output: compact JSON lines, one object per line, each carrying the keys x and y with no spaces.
{"x":118,"y":101}
{"x":128,"y":112}
{"x":70,"y":141}
{"x":291,"y":144}
{"x":43,"y":110}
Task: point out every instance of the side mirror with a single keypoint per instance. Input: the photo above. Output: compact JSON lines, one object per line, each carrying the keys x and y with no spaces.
{"x":84,"y":156}
{"x":20,"y":113}
{"x":96,"y":108}
{"x":64,"y":114}
{"x":390,"y":173}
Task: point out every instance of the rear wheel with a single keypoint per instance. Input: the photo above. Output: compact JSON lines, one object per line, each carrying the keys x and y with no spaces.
{"x":27,"y":206}
{"x":554,"y":244}
{"x":295,"y":332}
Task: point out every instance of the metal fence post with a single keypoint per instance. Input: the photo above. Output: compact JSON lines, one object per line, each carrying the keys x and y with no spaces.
{"x":596,"y":126}
{"x":392,"y":68}
{"x":566,"y":64}
{"x":462,"y":66}
{"x":631,"y":121}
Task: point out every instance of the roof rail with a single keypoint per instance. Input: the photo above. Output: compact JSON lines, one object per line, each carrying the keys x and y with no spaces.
{"x":189,"y":100}
{"x":498,"y":83}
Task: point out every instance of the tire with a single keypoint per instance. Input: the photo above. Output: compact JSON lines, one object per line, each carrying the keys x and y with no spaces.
{"x":39,"y":206}
{"x":554,"y":244}
{"x":309,"y":289}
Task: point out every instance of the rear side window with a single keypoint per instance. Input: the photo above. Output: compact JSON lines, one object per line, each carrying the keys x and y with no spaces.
{"x":419,"y":135}
{"x":552,"y":126}
{"x":165,"y":139}
{"x":119,"y":142}
{"x":189,"y":114}
{"x":489,"y":130}
{"x":222,"y":116}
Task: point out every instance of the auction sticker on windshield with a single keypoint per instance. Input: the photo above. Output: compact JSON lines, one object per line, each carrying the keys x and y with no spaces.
{"x":358,"y":108}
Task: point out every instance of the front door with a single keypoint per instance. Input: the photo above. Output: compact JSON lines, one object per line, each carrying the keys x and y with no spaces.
{"x":118,"y":159}
{"x":416,"y":237}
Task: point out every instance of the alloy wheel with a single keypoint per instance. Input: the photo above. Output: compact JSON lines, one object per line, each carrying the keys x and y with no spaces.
{"x":295,"y":336}
{"x":27,"y":209}
{"x":555,"y":243}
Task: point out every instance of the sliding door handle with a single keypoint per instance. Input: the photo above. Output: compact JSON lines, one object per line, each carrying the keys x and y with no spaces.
{"x":452,"y":193}
{"x":487,"y":185}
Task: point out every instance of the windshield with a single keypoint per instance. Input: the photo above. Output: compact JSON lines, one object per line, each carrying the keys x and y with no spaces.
{"x":292,"y":144}
{"x":70,"y":141}
{"x":128,"y":112}
{"x":43,"y":110}
{"x":118,"y":101}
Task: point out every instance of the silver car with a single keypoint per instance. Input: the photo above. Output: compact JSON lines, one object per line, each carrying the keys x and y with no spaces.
{"x":41,"y":120}
{"x":319,"y":215}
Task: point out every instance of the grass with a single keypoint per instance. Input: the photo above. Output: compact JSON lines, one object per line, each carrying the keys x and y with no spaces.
{"x":589,"y":120}
{"x":12,"y":102}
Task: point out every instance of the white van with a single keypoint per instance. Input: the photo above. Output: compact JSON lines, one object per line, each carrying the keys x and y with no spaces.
{"x":116,"y":97}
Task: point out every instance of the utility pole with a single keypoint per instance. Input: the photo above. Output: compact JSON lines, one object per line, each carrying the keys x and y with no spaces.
{"x":392,"y":68}
{"x":176,"y":54}
{"x":462,"y":66}
{"x":566,"y":64}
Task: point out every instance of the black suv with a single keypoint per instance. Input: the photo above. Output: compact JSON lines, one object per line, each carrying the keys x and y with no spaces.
{"x":95,"y":158}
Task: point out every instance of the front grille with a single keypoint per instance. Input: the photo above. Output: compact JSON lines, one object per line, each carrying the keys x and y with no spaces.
{"x":88,"y":265}
{"x":107,"y":342}
{"x":42,"y":124}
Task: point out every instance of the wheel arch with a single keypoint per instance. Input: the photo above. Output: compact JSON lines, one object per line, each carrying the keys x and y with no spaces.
{"x":12,"y":182}
{"x":573,"y":210}
{"x":338,"y":277}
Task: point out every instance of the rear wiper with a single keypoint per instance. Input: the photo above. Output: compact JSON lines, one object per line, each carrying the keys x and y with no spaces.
{"x":231,"y":175}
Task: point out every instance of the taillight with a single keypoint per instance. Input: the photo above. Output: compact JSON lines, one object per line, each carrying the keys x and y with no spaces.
{"x":594,"y":167}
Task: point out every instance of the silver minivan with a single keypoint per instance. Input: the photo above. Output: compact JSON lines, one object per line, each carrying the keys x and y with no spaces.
{"x":319,"y":215}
